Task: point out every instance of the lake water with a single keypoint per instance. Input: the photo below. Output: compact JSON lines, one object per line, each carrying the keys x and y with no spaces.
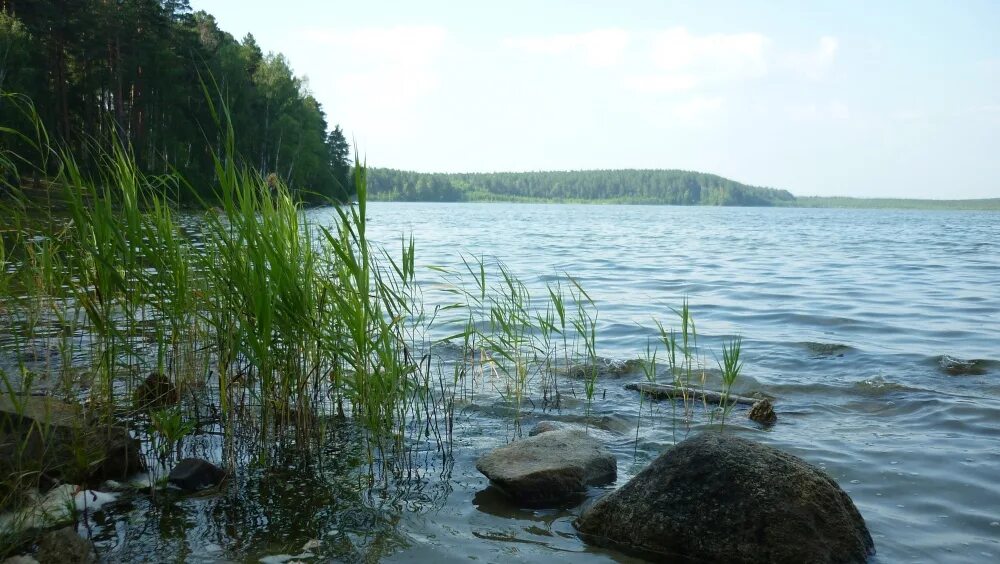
{"x":845,"y":316}
{"x":917,"y":449}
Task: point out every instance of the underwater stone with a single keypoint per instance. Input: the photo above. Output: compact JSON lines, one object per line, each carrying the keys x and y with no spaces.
{"x":720,"y":498}
{"x":551,"y":467}
{"x":194,"y":474}
{"x":545,"y":427}
{"x":960,"y":367}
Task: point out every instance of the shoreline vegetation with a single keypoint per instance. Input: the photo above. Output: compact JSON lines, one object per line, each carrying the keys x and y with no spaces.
{"x":268,"y":337}
{"x":626,"y":186}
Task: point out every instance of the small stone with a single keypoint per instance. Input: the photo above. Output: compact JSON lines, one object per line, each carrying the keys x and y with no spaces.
{"x":194,"y":474}
{"x":65,"y":546}
{"x":549,"y":468}
{"x":763,"y":412}
{"x":156,"y":392}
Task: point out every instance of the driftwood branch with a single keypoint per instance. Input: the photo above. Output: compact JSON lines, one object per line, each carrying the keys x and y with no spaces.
{"x":670,"y":391}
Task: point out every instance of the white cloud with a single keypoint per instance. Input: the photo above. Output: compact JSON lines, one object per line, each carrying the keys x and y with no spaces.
{"x":831,"y":111}
{"x":381,"y":74}
{"x":403,"y":45}
{"x":658,"y":83}
{"x":684,"y":61}
{"x":717,"y":55}
{"x":814,"y":64}
{"x":698,"y":109}
{"x":598,"y":48}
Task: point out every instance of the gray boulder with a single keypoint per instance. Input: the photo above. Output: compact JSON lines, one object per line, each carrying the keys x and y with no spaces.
{"x":719,"y":498}
{"x":549,"y":468}
{"x":194,"y":474}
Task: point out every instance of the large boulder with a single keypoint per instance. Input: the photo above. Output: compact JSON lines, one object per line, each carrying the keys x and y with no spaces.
{"x":720,"y":498}
{"x":43,"y":437}
{"x":549,"y":468}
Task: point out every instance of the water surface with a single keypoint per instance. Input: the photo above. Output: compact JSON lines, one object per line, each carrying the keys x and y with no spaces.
{"x":845,"y":316}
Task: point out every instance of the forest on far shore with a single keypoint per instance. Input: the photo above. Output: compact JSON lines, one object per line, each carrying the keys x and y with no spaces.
{"x":673,"y":187}
{"x":663,"y":187}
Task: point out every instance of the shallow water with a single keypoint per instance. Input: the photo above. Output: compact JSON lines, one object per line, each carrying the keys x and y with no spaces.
{"x":845,"y":316}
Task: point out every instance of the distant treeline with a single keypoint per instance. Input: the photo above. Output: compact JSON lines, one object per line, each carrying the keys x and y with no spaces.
{"x":140,"y":72}
{"x":984,"y":204}
{"x":672,"y":187}
{"x":665,"y":187}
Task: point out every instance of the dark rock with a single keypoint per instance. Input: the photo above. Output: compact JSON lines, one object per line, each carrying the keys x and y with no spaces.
{"x":763,"y":412}
{"x":193,"y":474}
{"x":827,"y":350}
{"x":52,"y":439}
{"x":65,"y":546}
{"x":156,"y":392}
{"x":959,"y":367}
{"x":604,"y":367}
{"x":552,"y":467}
{"x":719,"y":498}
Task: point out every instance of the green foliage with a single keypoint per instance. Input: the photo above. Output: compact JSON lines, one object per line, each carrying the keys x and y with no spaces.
{"x":731,"y":367}
{"x":170,"y":427}
{"x":674,"y":187}
{"x":129,"y":73}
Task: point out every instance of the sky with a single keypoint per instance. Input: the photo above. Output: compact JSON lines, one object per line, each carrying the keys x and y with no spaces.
{"x":864,"y":99}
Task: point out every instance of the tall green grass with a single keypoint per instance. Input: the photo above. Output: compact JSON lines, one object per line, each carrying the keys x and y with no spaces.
{"x":269,"y":325}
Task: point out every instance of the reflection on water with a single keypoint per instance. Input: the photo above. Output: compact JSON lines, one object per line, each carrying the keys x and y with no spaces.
{"x":846,"y":315}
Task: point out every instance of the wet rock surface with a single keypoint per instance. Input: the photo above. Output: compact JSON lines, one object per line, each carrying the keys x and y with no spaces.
{"x":604,"y":368}
{"x":552,"y":467}
{"x":194,"y":474}
{"x":763,"y":412}
{"x":58,"y":440}
{"x":719,"y":498}
{"x":960,"y":367}
{"x":66,"y":547}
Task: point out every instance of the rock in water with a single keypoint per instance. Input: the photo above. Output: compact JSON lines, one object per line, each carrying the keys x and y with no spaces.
{"x":65,"y":546}
{"x":549,"y":468}
{"x":156,"y":392}
{"x":56,"y":439}
{"x":193,"y":474}
{"x":545,"y":427}
{"x":719,"y":498}
{"x":763,"y":412}
{"x":960,"y":367}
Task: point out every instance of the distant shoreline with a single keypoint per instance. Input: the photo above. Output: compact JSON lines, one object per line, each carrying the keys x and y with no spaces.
{"x":801,"y":202}
{"x":622,"y":186}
